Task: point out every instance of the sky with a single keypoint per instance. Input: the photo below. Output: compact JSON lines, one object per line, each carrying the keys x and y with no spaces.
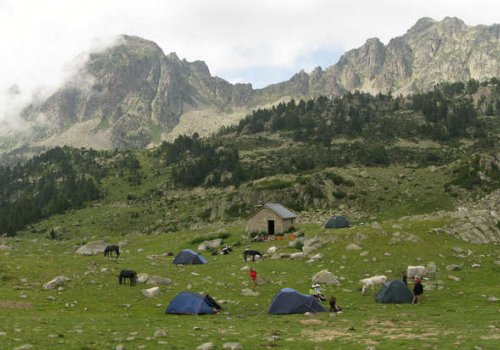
{"x":43,"y":42}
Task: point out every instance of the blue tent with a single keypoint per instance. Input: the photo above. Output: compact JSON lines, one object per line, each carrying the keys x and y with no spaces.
{"x":395,"y":291}
{"x":189,"y":257}
{"x":190,"y":303}
{"x":289,"y":301}
{"x":337,"y":222}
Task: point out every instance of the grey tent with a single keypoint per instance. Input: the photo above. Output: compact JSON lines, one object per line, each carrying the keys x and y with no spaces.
{"x":189,"y":257}
{"x":189,"y":303}
{"x":289,"y":301}
{"x":337,"y":222}
{"x":395,"y":291}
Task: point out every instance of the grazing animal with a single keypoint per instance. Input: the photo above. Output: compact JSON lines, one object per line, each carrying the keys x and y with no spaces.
{"x":108,"y":251}
{"x":131,"y":275}
{"x":226,"y":250}
{"x":253,"y":253}
{"x":413,"y":271}
{"x":372,"y":281}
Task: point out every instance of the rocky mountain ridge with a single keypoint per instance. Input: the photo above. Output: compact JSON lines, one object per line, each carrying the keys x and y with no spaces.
{"x":132,"y":95}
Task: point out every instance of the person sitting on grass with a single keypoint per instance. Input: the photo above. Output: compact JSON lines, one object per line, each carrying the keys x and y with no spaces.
{"x":333,"y":305}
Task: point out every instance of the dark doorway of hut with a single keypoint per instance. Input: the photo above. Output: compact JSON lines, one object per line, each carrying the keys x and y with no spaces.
{"x":270,"y":227}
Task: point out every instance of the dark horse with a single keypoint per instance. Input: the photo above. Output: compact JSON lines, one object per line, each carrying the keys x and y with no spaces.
{"x":108,"y":251}
{"x":253,"y":253}
{"x":124,"y":274}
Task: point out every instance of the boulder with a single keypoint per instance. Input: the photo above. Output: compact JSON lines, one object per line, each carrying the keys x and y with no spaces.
{"x":92,"y":248}
{"x":213,"y":244}
{"x":453,"y":267}
{"x":56,"y":282}
{"x":206,"y":346}
{"x":5,"y":247}
{"x":311,"y":244}
{"x":325,"y":277}
{"x":296,"y":255}
{"x":475,"y":266}
{"x":142,"y":277}
{"x":151,"y":292}
{"x":454,"y":278}
{"x":431,"y":267}
{"x":232,"y":346}
{"x":158,"y":280}
{"x":353,"y":246}
{"x":249,"y":293}
{"x":272,"y":250}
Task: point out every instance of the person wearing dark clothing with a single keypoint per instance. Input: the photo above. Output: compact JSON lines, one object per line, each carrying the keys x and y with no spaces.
{"x":404,"y":277}
{"x":333,"y":305}
{"x":418,"y":290}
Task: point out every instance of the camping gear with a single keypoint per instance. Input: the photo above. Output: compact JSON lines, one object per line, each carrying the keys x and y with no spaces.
{"x":337,"y":222}
{"x":289,"y":301}
{"x":189,"y":303}
{"x":395,"y":291}
{"x":189,"y":257}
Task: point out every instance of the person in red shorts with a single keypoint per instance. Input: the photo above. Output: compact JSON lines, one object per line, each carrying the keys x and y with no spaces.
{"x":253,"y":277}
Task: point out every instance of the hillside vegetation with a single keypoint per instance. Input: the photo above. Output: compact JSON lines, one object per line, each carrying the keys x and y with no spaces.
{"x":360,"y":154}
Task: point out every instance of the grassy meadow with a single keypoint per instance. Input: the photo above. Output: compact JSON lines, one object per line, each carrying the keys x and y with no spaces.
{"x":92,"y":311}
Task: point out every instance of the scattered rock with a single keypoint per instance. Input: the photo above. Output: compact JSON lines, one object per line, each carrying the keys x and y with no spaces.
{"x":453,"y":267}
{"x":247,"y":292}
{"x":376,"y":225}
{"x":272,"y":250}
{"x":56,"y":282}
{"x":493,"y":299}
{"x":92,"y":248}
{"x":475,"y":266}
{"x":232,"y":346}
{"x":160,"y":333}
{"x":213,"y":244}
{"x":206,"y":346}
{"x":454,"y":278}
{"x":311,"y":244}
{"x":325,"y":277}
{"x":365,"y":253}
{"x":315,"y":258}
{"x":151,"y":292}
{"x":353,"y":246}
{"x":159,"y":280}
{"x":24,"y":347}
{"x":142,"y":277}
{"x":457,"y":250}
{"x":5,"y":247}
{"x":296,"y":255}
{"x":431,"y":267}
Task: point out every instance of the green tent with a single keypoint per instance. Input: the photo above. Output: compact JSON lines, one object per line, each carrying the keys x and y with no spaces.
{"x":395,"y":291}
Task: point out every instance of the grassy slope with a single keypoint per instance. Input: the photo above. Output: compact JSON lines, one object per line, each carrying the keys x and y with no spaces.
{"x":94,"y":312}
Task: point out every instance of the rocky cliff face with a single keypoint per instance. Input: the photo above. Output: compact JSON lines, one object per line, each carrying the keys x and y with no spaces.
{"x":429,"y":53}
{"x":133,"y":95}
{"x":133,"y":92}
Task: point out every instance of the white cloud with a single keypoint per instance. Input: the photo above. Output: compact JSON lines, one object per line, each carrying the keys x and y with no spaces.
{"x":39,"y":38}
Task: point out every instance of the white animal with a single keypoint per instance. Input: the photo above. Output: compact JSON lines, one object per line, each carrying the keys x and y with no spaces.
{"x":413,"y":271}
{"x":372,"y":281}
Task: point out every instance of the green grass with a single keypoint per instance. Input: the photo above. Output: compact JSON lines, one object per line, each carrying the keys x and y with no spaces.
{"x":94,"y":312}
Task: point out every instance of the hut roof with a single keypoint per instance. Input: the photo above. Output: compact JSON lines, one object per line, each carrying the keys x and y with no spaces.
{"x":278,"y":209}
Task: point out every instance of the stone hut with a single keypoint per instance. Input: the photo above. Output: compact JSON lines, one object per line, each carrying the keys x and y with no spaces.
{"x":271,"y":218}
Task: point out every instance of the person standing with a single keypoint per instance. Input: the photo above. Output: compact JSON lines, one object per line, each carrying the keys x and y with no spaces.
{"x":418,"y":290}
{"x":404,"y":277}
{"x":253,"y":277}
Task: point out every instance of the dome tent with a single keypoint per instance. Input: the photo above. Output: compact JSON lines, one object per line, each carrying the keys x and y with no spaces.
{"x":289,"y":301}
{"x":189,"y":303}
{"x":189,"y":257}
{"x":337,"y":222}
{"x":395,"y":291}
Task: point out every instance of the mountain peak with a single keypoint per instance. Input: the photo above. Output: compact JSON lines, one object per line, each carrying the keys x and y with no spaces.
{"x":422,"y":24}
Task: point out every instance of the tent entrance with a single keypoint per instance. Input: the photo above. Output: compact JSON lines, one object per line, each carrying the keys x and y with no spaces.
{"x":270,"y":227}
